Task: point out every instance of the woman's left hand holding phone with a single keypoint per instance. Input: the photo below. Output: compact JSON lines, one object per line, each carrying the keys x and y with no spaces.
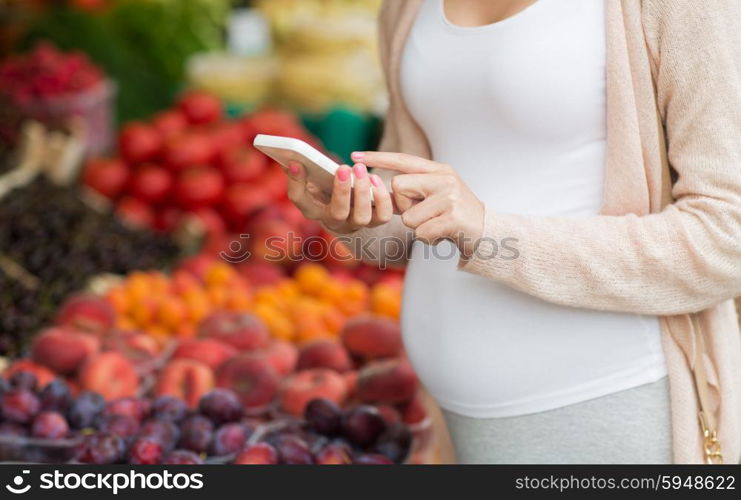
{"x":351,"y":206}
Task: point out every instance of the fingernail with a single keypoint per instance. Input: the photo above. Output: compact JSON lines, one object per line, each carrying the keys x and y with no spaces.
{"x":360,"y":171}
{"x":375,"y":180}
{"x":343,"y":173}
{"x":294,"y":168}
{"x":357,"y":155}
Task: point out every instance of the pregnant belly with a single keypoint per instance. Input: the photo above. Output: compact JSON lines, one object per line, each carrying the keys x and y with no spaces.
{"x":478,"y":344}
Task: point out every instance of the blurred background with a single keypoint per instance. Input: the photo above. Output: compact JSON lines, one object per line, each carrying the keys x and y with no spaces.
{"x":161,"y":300}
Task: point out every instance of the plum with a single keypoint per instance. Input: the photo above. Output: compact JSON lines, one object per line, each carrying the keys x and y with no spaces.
{"x":293,"y":450}
{"x":19,"y":405}
{"x":221,"y":406}
{"x":230,"y":438}
{"x":169,"y":408}
{"x":120,"y":425}
{"x":49,"y":425}
{"x":362,"y":425}
{"x":323,"y":416}
{"x":196,"y":433}
{"x":56,"y":396}
{"x":146,"y":451}
{"x":394,"y":443}
{"x":24,"y":380}
{"x":85,"y":409}
{"x":101,"y":449}
{"x":164,"y":431}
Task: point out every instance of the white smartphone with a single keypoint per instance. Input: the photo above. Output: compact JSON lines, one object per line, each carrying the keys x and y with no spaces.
{"x":320,"y":169}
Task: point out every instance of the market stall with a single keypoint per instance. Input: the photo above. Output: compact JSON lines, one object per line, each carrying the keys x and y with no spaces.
{"x":161,"y":300}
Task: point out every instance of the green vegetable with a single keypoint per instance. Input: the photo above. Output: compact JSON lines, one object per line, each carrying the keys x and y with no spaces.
{"x":142,"y":44}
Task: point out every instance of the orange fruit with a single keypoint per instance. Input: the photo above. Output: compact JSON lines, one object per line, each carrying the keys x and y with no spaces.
{"x":355,"y":300}
{"x":386,"y":301}
{"x":197,"y":304}
{"x":311,"y":278}
{"x":144,"y":312}
{"x":172,"y":312}
{"x":219,"y":274}
{"x":238,"y":301}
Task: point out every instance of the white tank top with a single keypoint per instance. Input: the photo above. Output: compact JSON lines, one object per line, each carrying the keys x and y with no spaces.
{"x":519,"y":109}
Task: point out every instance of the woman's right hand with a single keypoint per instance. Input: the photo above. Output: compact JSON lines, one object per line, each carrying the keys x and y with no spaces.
{"x":349,"y":208}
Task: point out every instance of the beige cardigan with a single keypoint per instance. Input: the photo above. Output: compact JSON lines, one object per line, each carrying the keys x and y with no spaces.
{"x":638,"y":255}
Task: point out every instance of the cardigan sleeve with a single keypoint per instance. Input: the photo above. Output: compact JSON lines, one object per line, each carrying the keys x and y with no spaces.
{"x":388,"y":244}
{"x":685,"y":258}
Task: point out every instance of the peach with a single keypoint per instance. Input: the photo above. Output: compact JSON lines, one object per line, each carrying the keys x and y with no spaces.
{"x":43,"y":374}
{"x":88,"y":313}
{"x":372,"y":337}
{"x":138,"y":347}
{"x":282,"y":356}
{"x":387,"y":381}
{"x":253,"y":379}
{"x":324,"y":354}
{"x":63,"y":350}
{"x":300,"y":388}
{"x":351,"y":380}
{"x":186,"y":379}
{"x":111,"y":375}
{"x":242,"y":331}
{"x":210,"y":352}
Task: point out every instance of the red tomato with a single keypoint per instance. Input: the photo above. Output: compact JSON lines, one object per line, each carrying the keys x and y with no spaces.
{"x":151,"y":183}
{"x":188,"y":150}
{"x":200,"y":108}
{"x":242,"y":200}
{"x":276,"y":122}
{"x":107,"y":176}
{"x":139,"y":142}
{"x":243,"y":164}
{"x":170,"y":123}
{"x":227,"y":136}
{"x":135,"y":212}
{"x":199,"y":187}
{"x":274,"y":182}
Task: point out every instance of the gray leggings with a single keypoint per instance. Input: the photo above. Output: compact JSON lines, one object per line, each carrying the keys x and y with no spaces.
{"x":631,"y":426}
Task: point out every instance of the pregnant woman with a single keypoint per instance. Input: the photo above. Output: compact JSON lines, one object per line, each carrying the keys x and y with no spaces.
{"x":567,"y":181}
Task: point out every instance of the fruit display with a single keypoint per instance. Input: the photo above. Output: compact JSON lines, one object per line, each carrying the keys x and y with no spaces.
{"x":313,"y":304}
{"x":51,"y":243}
{"x":51,"y":423}
{"x":52,"y":87}
{"x":230,"y":362}
{"x":190,"y":163}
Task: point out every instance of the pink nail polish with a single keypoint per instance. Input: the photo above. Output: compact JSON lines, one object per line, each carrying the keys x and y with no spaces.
{"x":343,"y":173}
{"x":293,"y":167}
{"x":357,"y":155}
{"x":360,"y":171}
{"x":375,"y":180}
